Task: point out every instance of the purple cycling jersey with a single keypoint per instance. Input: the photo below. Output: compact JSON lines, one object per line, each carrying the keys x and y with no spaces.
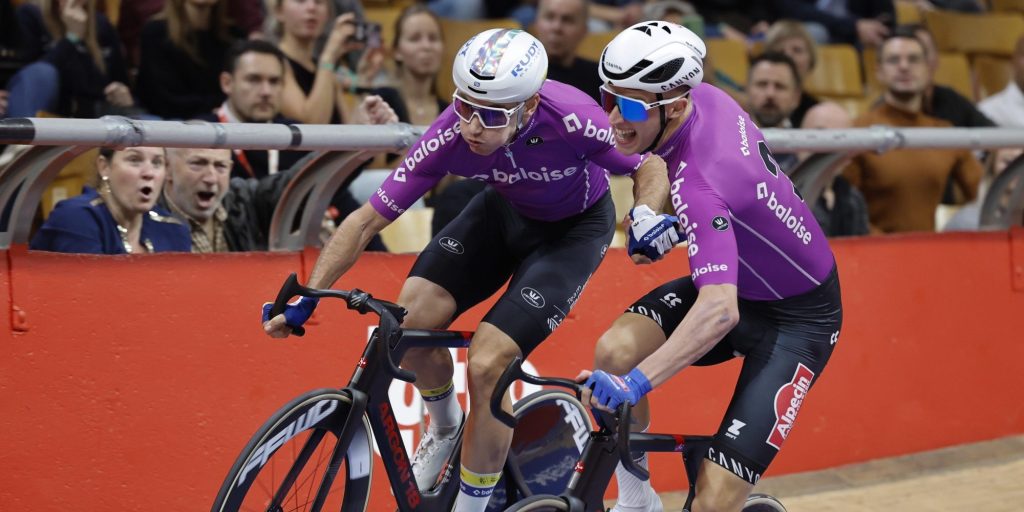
{"x":744,"y":221}
{"x":555,"y":167}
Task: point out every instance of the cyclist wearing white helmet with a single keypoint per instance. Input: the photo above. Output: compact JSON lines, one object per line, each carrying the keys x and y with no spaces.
{"x":545,"y":221}
{"x":762,"y":281}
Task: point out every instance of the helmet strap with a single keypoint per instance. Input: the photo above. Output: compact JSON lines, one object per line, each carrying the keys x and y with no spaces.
{"x":661,"y":131}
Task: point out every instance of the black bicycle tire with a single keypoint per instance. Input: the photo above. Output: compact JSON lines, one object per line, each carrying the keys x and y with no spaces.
{"x":759,"y":502}
{"x":536,"y":396}
{"x":539,"y":501}
{"x":270,"y":426}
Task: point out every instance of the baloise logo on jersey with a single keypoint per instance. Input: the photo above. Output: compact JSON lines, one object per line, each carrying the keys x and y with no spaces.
{"x":572,"y":123}
{"x":784,"y":214}
{"x":788,"y":400}
{"x":687,"y":229}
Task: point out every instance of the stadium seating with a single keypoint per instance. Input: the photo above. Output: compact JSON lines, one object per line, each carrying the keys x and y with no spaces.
{"x":729,"y":57}
{"x":992,"y":74}
{"x":836,"y":74}
{"x":991,"y":34}
{"x":593,"y":44}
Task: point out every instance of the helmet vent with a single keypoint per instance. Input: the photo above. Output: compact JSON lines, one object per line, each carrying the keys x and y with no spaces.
{"x":663,"y":73}
{"x":638,"y":67}
{"x":478,"y":76}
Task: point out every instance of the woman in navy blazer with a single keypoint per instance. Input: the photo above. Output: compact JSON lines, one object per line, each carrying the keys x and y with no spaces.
{"x":121,"y":216}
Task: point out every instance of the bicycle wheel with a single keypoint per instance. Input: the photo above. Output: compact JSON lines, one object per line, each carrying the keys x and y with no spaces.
{"x":763,"y":503}
{"x":540,"y":503}
{"x":553,"y":428}
{"x":290,"y":458}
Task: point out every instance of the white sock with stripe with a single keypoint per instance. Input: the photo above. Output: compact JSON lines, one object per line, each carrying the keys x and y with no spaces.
{"x":442,"y":406}
{"x":634,"y":494}
{"x":475,"y":491}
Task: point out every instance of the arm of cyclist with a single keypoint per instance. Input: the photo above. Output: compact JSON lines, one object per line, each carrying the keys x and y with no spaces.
{"x":340,"y":253}
{"x":712,"y":316}
{"x":651,"y":236}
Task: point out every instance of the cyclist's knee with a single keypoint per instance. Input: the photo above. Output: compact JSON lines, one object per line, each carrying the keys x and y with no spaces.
{"x":487,"y":362}
{"x":429,"y":305}
{"x":616,"y":350}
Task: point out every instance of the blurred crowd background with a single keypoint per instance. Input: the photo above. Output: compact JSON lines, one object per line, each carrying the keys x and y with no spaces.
{"x":812,"y":64}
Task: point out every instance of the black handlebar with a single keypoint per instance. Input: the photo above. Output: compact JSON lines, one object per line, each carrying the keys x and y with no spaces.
{"x":625,"y":456}
{"x":391,"y":316}
{"x":514,"y":371}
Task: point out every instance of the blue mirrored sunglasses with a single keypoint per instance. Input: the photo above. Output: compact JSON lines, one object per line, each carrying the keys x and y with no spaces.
{"x":631,"y":109}
{"x":490,"y":117}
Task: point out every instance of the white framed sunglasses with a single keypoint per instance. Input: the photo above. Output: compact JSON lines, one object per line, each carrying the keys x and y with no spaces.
{"x":490,"y":117}
{"x":631,"y":109}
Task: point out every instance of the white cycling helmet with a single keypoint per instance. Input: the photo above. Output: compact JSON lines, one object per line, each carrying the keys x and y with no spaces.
{"x":654,"y":56}
{"x":501,"y":66}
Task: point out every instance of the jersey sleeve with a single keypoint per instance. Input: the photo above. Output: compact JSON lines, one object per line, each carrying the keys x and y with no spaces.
{"x":590,"y":133}
{"x":707,"y":227}
{"x":421,"y":169}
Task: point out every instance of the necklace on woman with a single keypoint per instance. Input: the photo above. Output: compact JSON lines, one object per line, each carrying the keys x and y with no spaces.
{"x":123,"y":231}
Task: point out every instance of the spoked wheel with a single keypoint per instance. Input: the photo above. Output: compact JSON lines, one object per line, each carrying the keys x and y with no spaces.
{"x":540,"y":503}
{"x":763,"y":503}
{"x":296,"y":463}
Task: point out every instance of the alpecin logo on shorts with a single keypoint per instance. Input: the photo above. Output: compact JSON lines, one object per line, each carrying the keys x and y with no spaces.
{"x":788,"y":400}
{"x":451,"y":245}
{"x":532,"y":297}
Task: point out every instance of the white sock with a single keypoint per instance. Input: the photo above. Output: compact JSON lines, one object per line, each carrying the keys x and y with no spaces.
{"x":442,"y":406}
{"x":475,"y":490}
{"x":634,"y":494}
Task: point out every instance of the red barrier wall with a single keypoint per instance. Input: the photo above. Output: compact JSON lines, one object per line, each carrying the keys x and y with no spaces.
{"x":132,"y":382}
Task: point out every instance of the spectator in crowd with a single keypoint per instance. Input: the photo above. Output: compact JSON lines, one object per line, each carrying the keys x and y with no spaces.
{"x":561,"y":26}
{"x":77,"y":67}
{"x":903,"y":187}
{"x":791,"y":38}
{"x":458,"y":9}
{"x":773,"y":89}
{"x":247,"y":15}
{"x":734,"y":19}
{"x":417,"y":51}
{"x":122,"y":216}
{"x":968,"y":218}
{"x":1006,"y":108}
{"x":312,"y":93}
{"x":841,"y":209}
{"x":252,"y":80}
{"x":181,"y":56}
{"x":608,"y":15}
{"x":941,"y":101}
{"x":857,"y":22}
{"x":11,"y":59}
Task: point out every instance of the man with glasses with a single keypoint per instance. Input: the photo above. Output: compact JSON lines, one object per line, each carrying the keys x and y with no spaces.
{"x":545,"y":222}
{"x":761,"y":283}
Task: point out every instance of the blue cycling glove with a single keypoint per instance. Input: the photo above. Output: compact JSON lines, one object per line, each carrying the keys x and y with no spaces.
{"x":295,"y":313}
{"x":611,"y":390}
{"x":652,"y":235}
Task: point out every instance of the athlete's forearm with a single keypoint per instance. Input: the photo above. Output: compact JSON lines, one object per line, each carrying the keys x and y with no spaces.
{"x":650,"y":183}
{"x":712,"y":316}
{"x":345,"y":246}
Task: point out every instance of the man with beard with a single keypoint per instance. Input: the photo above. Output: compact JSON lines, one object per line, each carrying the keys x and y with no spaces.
{"x":903,"y":187}
{"x":773,"y":86}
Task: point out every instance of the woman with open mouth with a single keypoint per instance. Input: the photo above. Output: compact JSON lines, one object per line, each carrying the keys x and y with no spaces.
{"x":121,"y":215}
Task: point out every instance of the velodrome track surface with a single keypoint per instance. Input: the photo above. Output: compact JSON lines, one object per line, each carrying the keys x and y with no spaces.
{"x":980,"y":477}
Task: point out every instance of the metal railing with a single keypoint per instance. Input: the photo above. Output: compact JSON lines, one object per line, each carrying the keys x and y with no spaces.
{"x":342,"y":149}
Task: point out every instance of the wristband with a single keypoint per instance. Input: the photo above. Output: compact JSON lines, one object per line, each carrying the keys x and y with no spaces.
{"x":637,"y":377}
{"x":328,"y":66}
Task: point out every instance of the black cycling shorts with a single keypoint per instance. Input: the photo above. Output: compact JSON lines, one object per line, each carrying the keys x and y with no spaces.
{"x":785,"y":345}
{"x":549,"y":263}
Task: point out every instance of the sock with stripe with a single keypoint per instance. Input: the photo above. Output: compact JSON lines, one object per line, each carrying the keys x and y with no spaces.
{"x":442,"y":406}
{"x":635,"y":495}
{"x":475,"y":491}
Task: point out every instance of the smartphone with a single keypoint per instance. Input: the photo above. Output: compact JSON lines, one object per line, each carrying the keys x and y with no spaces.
{"x":369,"y":33}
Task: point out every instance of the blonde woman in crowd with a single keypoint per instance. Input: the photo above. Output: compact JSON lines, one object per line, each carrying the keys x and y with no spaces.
{"x":791,"y":38}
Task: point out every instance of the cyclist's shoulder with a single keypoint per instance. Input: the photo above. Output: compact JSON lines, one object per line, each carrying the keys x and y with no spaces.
{"x":568,"y":111}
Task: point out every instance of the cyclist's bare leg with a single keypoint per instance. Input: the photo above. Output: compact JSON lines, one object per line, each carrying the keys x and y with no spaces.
{"x":486,"y":440}
{"x":719,"y":490}
{"x":629,"y":340}
{"x":430,"y":307}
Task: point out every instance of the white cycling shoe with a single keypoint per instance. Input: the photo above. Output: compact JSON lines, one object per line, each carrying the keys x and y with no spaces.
{"x":653,"y":504}
{"x":432,"y":454}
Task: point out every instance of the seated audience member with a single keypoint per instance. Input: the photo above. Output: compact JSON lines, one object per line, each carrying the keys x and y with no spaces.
{"x":561,"y":26}
{"x":252,"y":80}
{"x":841,"y":209}
{"x":77,"y":69}
{"x":968,"y":218}
{"x":857,"y":22}
{"x":10,"y":51}
{"x":181,"y":56}
{"x":941,"y":101}
{"x":417,"y":51}
{"x":903,"y":187}
{"x":773,"y":89}
{"x":791,"y":38}
{"x":122,"y":216}
{"x":1006,"y":108}
{"x":132,"y":15}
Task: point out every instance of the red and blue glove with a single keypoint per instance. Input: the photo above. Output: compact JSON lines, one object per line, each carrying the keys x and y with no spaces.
{"x":295,"y":313}
{"x":652,"y":235}
{"x":611,"y":390}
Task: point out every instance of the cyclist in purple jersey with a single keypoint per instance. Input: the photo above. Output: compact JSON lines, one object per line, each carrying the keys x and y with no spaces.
{"x":762,"y":283}
{"x":544,"y":222}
